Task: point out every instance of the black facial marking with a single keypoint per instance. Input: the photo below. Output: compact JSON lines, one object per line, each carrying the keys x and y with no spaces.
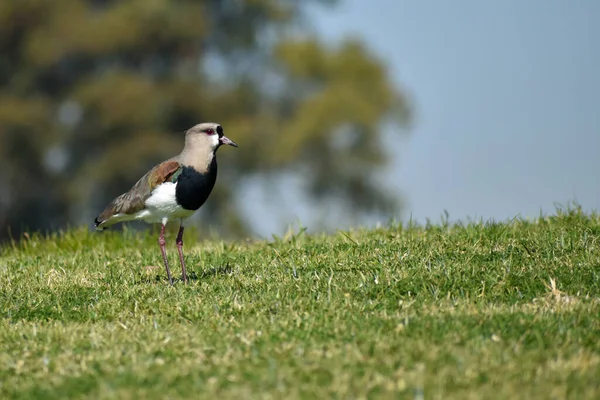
{"x":193,"y":187}
{"x":220,"y":130}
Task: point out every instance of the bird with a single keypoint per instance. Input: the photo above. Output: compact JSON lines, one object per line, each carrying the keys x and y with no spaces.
{"x":172,"y":190}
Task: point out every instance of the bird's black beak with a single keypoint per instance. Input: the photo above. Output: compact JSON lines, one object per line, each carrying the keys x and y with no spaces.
{"x":225,"y":140}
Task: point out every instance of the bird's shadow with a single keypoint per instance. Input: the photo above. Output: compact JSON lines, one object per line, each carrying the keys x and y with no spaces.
{"x":192,"y":275}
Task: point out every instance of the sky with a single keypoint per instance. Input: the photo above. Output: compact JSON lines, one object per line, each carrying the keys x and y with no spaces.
{"x":506,"y":96}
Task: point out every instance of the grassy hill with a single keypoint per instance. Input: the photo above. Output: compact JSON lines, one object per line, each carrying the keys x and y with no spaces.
{"x":488,"y":310}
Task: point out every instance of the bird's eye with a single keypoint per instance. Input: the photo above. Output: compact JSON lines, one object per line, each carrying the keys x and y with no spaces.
{"x":210,"y":132}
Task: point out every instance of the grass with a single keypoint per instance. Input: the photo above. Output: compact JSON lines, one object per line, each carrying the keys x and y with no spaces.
{"x":484,"y":310}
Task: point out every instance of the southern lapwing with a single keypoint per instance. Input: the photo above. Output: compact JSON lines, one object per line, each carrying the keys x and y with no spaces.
{"x":173,"y":190}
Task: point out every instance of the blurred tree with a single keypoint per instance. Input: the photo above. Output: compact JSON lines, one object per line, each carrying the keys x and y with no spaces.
{"x":91,"y":92}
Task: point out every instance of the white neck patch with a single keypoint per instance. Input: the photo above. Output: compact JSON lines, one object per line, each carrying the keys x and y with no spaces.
{"x":214,"y":140}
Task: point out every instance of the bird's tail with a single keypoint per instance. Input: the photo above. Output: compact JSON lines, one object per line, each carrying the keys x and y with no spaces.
{"x":121,"y":209}
{"x":98,"y":224}
{"x":103,"y":220}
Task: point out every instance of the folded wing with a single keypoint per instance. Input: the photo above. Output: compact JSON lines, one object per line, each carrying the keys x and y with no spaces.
{"x":134,"y":200}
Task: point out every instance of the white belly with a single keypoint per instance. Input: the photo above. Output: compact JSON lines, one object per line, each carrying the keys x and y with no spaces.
{"x":162,"y":205}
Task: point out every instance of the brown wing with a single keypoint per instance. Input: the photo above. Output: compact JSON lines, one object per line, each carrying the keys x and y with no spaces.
{"x":134,"y":200}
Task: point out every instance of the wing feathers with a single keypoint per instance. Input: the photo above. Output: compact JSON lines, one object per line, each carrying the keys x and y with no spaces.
{"x":134,"y":200}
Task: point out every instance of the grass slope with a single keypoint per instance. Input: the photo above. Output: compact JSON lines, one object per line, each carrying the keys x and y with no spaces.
{"x":476,"y":311}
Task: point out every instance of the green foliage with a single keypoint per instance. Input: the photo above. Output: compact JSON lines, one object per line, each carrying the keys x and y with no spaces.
{"x":93,"y":93}
{"x":494,"y":310}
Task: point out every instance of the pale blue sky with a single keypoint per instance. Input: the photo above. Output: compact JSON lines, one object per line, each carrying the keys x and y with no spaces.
{"x":507,"y":97}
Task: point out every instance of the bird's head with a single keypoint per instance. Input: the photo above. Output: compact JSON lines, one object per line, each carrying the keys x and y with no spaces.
{"x":208,"y":135}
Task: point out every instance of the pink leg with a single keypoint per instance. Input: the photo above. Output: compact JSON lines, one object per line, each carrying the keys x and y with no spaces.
{"x":180,"y":250}
{"x":162,"y":242}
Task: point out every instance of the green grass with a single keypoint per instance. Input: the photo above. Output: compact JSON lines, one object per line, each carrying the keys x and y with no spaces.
{"x":484,"y":310}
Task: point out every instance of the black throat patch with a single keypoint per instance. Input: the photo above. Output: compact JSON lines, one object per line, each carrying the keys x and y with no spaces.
{"x":193,"y":187}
